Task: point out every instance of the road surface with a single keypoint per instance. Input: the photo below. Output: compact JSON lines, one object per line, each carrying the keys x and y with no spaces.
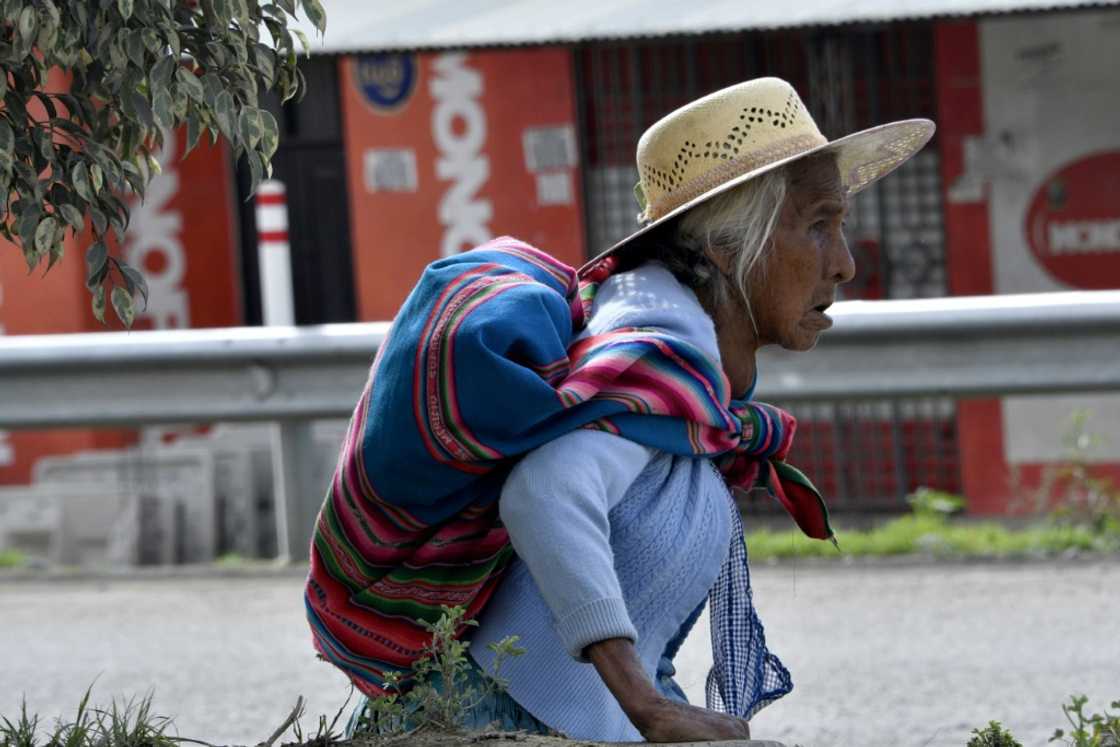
{"x":880,"y":654}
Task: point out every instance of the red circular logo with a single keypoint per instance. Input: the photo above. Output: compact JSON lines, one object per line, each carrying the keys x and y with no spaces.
{"x":1073,"y":222}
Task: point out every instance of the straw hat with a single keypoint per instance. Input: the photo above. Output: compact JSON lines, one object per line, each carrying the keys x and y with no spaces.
{"x":725,"y":138}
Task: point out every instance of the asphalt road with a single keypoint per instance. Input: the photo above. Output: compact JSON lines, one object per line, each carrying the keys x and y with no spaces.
{"x":880,"y":655}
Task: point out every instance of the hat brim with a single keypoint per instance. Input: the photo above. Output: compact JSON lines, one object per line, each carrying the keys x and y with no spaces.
{"x":863,"y":158}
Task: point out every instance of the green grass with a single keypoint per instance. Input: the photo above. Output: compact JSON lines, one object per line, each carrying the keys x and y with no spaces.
{"x":131,"y":724}
{"x":12,"y":559}
{"x":935,"y":535}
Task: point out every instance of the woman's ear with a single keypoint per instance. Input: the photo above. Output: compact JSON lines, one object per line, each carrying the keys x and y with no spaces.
{"x":725,"y":263}
{"x":723,"y":260}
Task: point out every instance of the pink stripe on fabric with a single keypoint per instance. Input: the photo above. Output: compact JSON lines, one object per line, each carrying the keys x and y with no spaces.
{"x":478,"y":298}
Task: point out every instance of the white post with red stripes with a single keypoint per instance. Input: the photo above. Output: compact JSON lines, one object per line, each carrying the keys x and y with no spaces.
{"x":296,"y":500}
{"x":274,"y":255}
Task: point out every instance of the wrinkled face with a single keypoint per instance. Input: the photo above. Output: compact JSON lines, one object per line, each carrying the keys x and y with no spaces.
{"x":807,"y":260}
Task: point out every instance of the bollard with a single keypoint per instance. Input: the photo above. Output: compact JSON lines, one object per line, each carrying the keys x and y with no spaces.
{"x":292,"y":449}
{"x":274,"y":255}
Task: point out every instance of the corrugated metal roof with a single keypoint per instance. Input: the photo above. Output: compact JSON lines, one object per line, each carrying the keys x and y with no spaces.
{"x":369,"y":25}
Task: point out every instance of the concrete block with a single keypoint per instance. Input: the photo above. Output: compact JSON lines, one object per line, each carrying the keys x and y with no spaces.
{"x":170,"y":494}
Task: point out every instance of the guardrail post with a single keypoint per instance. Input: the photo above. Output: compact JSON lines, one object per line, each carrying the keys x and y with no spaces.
{"x":297,"y":501}
{"x":292,"y":451}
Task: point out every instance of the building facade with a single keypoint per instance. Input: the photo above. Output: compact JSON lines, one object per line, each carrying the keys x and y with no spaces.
{"x":398,"y":156}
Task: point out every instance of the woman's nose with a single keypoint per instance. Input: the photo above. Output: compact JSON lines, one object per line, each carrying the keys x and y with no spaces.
{"x":843,"y":267}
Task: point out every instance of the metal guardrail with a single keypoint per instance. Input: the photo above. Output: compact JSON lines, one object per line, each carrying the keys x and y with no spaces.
{"x":957,"y":347}
{"x":1047,"y":343}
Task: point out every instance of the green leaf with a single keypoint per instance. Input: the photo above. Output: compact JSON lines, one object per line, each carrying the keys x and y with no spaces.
{"x":117,"y":55}
{"x":316,"y":14}
{"x":152,"y":42}
{"x":162,"y":73}
{"x":162,"y":109}
{"x":240,"y":50}
{"x":134,"y":46}
{"x":48,"y":34}
{"x":57,"y":248}
{"x":73,"y":216}
{"x":125,"y":7}
{"x":304,"y":43}
{"x":52,"y":10}
{"x":100,"y":222}
{"x":212,"y":89}
{"x":28,"y":20}
{"x":256,"y":173}
{"x":7,"y":143}
{"x":142,"y":108}
{"x":238,"y":12}
{"x":31,"y":256}
{"x":220,"y":11}
{"x":44,"y":143}
{"x":190,"y":83}
{"x":96,"y":178}
{"x":97,"y":263}
{"x":28,"y":222}
{"x":270,"y":133}
{"x":135,"y":282}
{"x":249,"y":124}
{"x":80,"y":178}
{"x":266,"y":63}
{"x":44,"y":235}
{"x":179,"y":108}
{"x":134,"y":177}
{"x":122,"y":304}
{"x":223,"y":108}
{"x":98,"y":303}
{"x":194,"y":130}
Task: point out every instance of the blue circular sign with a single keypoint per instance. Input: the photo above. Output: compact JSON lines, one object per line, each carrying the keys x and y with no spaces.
{"x":386,"y":79}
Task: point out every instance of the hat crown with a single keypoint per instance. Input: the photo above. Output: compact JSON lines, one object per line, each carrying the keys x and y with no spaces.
{"x":723,"y":135}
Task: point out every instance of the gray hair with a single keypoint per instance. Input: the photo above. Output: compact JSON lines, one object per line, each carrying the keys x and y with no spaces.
{"x":737,"y":223}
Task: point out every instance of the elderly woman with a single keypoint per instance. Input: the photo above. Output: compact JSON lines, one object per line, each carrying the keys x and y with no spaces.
{"x":554,"y":452}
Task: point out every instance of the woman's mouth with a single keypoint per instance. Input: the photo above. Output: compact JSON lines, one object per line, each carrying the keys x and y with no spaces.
{"x":818,"y":318}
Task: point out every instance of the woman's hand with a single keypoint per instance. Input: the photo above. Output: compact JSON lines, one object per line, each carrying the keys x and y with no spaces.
{"x":658,"y":718}
{"x":670,"y":721}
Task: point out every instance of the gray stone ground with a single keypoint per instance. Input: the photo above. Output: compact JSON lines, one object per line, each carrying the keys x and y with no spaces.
{"x":881,"y":654}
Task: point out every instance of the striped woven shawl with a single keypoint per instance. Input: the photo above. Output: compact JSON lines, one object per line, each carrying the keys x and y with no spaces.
{"x":481,"y":367}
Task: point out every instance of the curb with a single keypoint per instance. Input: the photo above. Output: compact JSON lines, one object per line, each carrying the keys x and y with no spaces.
{"x":923,"y":560}
{"x":152,"y":573}
{"x":278,"y":570}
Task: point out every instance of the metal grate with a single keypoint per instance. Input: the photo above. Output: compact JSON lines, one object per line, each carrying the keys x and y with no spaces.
{"x":865,"y":455}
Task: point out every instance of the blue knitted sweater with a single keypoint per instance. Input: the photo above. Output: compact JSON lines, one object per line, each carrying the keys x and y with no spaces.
{"x":613,"y":540}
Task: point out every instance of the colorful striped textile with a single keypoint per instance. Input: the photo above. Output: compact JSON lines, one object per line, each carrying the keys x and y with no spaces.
{"x":481,"y":366}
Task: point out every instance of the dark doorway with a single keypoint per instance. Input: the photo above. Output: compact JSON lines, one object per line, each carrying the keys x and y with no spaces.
{"x":311,"y":163}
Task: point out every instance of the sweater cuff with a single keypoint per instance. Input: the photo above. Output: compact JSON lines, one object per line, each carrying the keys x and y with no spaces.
{"x":593,"y":622}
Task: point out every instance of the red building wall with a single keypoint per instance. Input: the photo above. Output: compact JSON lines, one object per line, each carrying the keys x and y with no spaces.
{"x":1014,"y":95}
{"x":445,"y":151}
{"x":182,"y":235}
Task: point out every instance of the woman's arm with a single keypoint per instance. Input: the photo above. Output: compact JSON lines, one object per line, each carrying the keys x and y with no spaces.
{"x":555,"y":505}
{"x":658,"y":718}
